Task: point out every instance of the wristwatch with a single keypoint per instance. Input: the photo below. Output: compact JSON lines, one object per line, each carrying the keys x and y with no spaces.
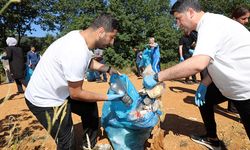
{"x":156,"y":77}
{"x":109,"y":68}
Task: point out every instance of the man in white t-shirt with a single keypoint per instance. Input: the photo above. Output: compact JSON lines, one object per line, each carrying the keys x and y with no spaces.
{"x":223,"y":48}
{"x":59,"y":75}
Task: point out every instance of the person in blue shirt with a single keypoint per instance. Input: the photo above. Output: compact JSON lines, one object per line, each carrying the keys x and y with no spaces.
{"x":32,"y":58}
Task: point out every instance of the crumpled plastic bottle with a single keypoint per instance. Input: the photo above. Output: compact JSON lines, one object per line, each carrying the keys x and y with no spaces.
{"x":119,"y":89}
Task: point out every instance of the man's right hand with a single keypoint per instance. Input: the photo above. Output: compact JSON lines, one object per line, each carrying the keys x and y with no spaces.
{"x":149,"y":82}
{"x":113,"y":71}
{"x":181,"y":59}
{"x":114,"y":96}
{"x":200,"y":95}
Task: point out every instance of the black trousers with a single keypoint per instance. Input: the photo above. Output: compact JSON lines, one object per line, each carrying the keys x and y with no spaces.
{"x":63,"y":132}
{"x":193,"y":78}
{"x":214,"y":97}
{"x":138,"y":69}
{"x":186,"y":56}
{"x":19,"y":83}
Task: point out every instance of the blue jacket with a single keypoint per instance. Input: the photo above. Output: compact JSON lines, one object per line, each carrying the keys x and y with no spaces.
{"x":156,"y":58}
{"x":32,"y":58}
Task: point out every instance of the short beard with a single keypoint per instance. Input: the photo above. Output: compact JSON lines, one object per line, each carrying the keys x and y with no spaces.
{"x":99,"y":44}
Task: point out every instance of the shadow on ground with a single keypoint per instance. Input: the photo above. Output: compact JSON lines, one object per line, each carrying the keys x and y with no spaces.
{"x":11,"y":130}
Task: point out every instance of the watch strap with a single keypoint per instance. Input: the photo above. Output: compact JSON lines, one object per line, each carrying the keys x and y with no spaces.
{"x":156,"y":77}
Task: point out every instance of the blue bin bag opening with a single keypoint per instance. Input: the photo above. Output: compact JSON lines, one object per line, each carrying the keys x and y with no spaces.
{"x":126,"y":131}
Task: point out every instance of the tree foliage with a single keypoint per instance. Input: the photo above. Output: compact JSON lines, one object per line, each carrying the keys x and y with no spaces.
{"x":17,"y":19}
{"x":224,"y":7}
{"x":139,"y":20}
{"x":65,"y":15}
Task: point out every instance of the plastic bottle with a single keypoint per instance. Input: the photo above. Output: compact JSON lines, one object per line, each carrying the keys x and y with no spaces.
{"x":127,"y":100}
{"x":119,"y":89}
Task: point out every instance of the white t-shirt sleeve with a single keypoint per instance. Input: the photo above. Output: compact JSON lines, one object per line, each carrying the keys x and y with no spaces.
{"x":75,"y":63}
{"x":209,"y":39}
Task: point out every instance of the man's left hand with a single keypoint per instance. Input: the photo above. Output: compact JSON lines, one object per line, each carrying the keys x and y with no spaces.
{"x":113,"y":71}
{"x":200,"y":95}
{"x":114,"y":96}
{"x":149,"y":82}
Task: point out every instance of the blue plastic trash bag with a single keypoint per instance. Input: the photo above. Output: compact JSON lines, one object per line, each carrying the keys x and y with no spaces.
{"x":156,"y":58}
{"x":28,"y":74}
{"x":126,"y":128}
{"x":146,"y":58}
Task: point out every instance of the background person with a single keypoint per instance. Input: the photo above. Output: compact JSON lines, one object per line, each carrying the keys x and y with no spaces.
{"x":138,"y":58}
{"x":60,"y":74}
{"x":186,"y":48}
{"x":6,"y":67}
{"x":16,"y":60}
{"x":225,"y":56}
{"x":33,"y":58}
{"x":99,"y":57}
{"x":241,"y":14}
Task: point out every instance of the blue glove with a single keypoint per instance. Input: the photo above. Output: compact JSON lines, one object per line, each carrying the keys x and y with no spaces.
{"x":191,"y":51}
{"x":149,"y":82}
{"x":200,"y":95}
{"x":181,"y":59}
{"x":114,"y":96}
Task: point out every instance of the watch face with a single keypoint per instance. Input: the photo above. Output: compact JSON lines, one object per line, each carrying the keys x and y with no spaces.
{"x":156,"y":77}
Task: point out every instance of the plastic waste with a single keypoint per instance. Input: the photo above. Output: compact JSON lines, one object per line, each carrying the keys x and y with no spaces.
{"x":103,"y":147}
{"x":128,"y":127}
{"x":157,"y":91}
{"x":119,"y":89}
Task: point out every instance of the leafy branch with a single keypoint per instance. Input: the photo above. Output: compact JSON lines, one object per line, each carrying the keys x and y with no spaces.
{"x":7,"y":4}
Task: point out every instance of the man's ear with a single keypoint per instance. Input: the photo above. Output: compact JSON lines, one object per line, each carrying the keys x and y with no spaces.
{"x":101,"y":32}
{"x":191,"y":12}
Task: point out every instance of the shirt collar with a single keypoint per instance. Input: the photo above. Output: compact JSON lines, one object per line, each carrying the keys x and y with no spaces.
{"x":201,"y":21}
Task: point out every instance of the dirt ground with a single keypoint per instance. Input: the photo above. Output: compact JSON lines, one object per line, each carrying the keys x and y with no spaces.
{"x":182,"y":118}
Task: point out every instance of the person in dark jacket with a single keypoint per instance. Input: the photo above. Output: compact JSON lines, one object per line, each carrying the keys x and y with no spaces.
{"x":16,"y":61}
{"x":138,"y":57}
{"x":186,"y":48}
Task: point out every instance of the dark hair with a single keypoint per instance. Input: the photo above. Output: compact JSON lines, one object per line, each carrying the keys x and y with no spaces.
{"x":107,"y":21}
{"x":183,"y":5}
{"x":239,"y":11}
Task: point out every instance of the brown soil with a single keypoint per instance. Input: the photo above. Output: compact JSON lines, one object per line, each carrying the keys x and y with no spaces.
{"x":182,"y":118}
